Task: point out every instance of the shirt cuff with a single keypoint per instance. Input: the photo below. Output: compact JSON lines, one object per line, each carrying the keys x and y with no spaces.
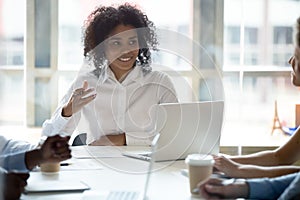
{"x":55,"y":125}
{"x":16,"y":162}
{"x":138,"y":139}
{"x":262,"y":188}
{"x":61,"y":122}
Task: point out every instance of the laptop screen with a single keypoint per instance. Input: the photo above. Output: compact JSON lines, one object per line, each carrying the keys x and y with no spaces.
{"x":187,"y":128}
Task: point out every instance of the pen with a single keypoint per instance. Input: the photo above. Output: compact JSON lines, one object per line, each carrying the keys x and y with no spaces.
{"x":65,"y":164}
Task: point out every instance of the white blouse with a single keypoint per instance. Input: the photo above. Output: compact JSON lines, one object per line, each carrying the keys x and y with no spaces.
{"x":126,"y":107}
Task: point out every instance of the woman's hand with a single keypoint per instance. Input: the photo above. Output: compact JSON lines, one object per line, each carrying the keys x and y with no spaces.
{"x":226,"y":165}
{"x":110,"y":140}
{"x":78,"y":100}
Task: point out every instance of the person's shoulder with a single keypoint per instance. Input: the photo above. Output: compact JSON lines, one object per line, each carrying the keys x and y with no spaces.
{"x":158,"y":75}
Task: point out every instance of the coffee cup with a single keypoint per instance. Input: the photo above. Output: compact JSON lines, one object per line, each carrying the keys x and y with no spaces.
{"x":200,"y":167}
{"x":49,"y":168}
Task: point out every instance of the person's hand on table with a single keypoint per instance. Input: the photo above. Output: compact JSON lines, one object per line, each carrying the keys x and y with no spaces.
{"x":225,"y":165}
{"x":54,"y":149}
{"x":14,"y":184}
{"x":217,"y":188}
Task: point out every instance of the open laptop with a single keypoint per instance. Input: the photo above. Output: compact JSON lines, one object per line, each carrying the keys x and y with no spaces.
{"x":123,"y":194}
{"x":186,"y":128}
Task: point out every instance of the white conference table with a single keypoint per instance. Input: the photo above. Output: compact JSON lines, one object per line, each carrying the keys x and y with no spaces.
{"x":105,"y":169}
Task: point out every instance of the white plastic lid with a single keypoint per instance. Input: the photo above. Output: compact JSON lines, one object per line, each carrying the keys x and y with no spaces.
{"x":200,"y":160}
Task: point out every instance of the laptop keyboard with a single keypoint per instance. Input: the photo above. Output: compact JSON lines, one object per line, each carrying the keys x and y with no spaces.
{"x":123,"y":195}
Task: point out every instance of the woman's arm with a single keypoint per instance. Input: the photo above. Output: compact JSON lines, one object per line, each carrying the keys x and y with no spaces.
{"x":58,"y":123}
{"x":237,"y":170}
{"x":64,"y":119}
{"x":263,"y":158}
{"x":254,"y":171}
{"x":287,"y":154}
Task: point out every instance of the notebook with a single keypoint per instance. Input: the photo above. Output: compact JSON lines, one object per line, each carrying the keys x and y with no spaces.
{"x":186,"y":128}
{"x":125,"y":195}
{"x":56,"y":186}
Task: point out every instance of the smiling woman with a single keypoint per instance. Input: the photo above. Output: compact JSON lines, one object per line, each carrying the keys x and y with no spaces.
{"x":121,"y":50}
{"x":112,"y":99}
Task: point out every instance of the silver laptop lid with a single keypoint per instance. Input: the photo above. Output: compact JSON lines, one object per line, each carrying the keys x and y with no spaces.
{"x":187,"y":128}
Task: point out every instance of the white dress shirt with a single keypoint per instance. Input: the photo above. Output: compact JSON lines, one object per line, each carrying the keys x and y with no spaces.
{"x":12,"y":154}
{"x":120,"y":107}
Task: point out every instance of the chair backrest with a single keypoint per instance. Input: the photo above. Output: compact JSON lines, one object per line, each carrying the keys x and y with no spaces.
{"x":79,"y":140}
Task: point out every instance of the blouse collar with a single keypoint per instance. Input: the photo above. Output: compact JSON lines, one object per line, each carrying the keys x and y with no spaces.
{"x":135,"y":75}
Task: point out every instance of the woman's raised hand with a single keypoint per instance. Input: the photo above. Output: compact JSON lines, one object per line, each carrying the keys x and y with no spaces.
{"x":78,"y":99}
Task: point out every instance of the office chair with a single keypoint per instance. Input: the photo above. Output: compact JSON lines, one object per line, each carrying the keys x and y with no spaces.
{"x":79,"y":140}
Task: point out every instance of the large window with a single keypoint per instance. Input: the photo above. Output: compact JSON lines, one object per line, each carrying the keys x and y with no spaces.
{"x":257,"y":46}
{"x":11,"y":62}
{"x":44,"y":53}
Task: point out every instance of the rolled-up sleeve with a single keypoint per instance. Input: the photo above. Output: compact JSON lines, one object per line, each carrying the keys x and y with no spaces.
{"x":269,"y":188}
{"x":12,"y":156}
{"x":15,"y":162}
{"x":292,"y":192}
{"x":56,"y":124}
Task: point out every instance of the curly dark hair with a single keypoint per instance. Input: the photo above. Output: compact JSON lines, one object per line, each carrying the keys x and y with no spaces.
{"x":104,"y":19}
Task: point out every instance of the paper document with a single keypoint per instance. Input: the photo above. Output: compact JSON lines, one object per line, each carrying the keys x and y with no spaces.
{"x":80,"y":164}
{"x":96,"y":152}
